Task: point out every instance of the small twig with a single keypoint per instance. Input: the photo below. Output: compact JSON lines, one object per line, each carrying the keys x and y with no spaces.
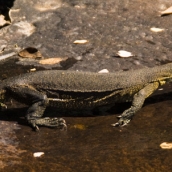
{"x":7,"y":55}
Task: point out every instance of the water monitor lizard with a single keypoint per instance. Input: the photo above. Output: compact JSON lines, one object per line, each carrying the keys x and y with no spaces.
{"x":75,"y":90}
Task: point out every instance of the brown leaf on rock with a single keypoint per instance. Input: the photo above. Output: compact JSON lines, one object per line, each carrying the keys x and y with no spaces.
{"x":80,"y":41}
{"x":103,"y":71}
{"x":166,"y":145}
{"x":24,"y":28}
{"x":12,"y":13}
{"x":167,"y":11}
{"x":38,"y":154}
{"x":32,"y":70}
{"x":30,"y":52}
{"x":3,"y":21}
{"x":51,"y":61}
{"x":155,"y":29}
{"x":123,"y":53}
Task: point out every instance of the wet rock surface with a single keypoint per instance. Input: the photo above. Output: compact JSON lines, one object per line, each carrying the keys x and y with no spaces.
{"x":10,"y":153}
{"x":90,"y":143}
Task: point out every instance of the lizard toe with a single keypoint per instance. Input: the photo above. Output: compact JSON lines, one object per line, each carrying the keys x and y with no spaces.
{"x":122,"y":122}
{"x":115,"y":125}
{"x":49,"y":122}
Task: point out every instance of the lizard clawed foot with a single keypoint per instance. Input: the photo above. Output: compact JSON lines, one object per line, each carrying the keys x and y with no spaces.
{"x":122,"y":122}
{"x":48,"y":122}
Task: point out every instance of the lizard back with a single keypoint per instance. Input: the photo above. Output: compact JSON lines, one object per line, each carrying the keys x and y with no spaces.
{"x":89,"y":81}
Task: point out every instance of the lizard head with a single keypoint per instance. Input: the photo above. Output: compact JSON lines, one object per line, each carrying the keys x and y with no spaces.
{"x":2,"y":98}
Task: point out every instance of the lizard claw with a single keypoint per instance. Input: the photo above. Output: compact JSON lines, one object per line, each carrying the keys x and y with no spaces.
{"x":62,"y":123}
{"x":115,"y":125}
{"x":36,"y":128}
{"x":49,"y":122}
{"x":122,"y":122}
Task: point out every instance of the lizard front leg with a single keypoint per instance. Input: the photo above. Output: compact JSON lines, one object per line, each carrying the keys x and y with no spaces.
{"x":137,"y":103}
{"x":36,"y":111}
{"x":39,"y":102}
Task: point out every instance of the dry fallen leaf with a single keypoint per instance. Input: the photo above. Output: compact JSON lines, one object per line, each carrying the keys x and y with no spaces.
{"x":30,"y":52}
{"x":33,"y":70}
{"x":167,"y":11}
{"x":12,"y":13}
{"x":3,"y":21}
{"x":123,"y":53}
{"x":103,"y":71}
{"x":154,"y":29}
{"x":80,"y":41}
{"x":51,"y":61}
{"x":48,"y":5}
{"x":38,"y":154}
{"x":166,"y":145}
{"x":25,"y":28}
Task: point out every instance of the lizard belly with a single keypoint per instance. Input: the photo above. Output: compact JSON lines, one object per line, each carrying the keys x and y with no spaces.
{"x":80,"y":100}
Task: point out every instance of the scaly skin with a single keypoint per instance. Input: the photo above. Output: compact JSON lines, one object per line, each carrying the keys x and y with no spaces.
{"x":75,"y":90}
